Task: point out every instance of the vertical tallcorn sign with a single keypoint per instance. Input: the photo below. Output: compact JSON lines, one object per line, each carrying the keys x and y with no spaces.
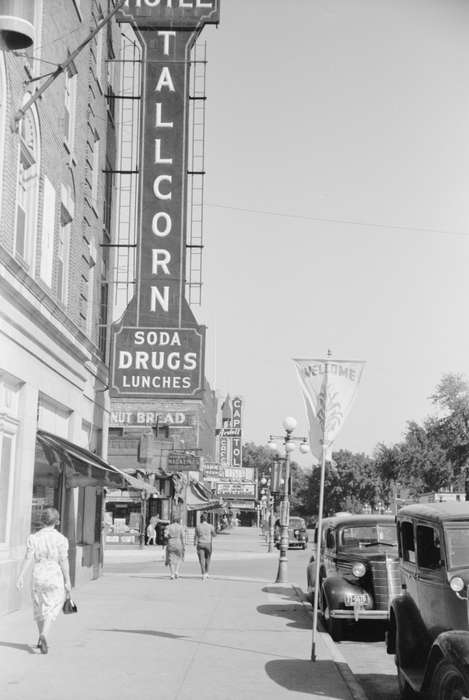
{"x":157,"y":347}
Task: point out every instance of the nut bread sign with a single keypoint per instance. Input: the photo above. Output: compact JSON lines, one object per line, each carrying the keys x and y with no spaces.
{"x":157,"y":347}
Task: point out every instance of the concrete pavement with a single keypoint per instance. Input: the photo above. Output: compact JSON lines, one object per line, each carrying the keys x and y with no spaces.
{"x":140,"y":635}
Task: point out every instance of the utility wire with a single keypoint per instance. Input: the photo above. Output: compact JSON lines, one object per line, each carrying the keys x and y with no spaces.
{"x":351,"y":222}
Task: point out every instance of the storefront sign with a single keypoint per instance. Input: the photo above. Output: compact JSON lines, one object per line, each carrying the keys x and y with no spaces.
{"x":229,"y":432}
{"x":158,"y":348}
{"x":238,"y":474}
{"x":171,"y":13}
{"x":236,"y":455}
{"x":227,"y":489}
{"x":123,"y":417}
{"x":223,"y":450}
{"x":211,"y":469}
{"x":181,"y":461}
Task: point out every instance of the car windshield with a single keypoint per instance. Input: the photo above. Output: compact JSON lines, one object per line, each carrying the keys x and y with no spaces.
{"x":458,"y":546}
{"x":297,"y":522}
{"x":368,"y":535}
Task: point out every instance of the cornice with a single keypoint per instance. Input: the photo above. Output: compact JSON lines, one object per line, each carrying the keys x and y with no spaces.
{"x":64,"y":330}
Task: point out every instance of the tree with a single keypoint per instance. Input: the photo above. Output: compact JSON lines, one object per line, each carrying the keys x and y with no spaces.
{"x":451,"y":428}
{"x":299,"y":490}
{"x":350,"y":483}
{"x":257,"y":457}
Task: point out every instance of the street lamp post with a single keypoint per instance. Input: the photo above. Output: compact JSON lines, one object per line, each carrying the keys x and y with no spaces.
{"x":289,"y":425}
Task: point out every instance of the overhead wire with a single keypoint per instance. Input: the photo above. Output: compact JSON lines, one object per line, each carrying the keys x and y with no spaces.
{"x":351,"y":222}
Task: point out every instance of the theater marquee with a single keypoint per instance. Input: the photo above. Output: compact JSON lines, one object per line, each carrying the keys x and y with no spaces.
{"x":157,"y":347}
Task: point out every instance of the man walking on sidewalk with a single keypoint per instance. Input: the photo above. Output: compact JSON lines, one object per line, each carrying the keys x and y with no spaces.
{"x":203,"y":537}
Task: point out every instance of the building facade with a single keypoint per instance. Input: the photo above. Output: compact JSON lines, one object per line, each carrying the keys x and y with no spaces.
{"x":55,"y":271}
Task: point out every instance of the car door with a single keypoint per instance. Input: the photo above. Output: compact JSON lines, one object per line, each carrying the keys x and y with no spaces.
{"x":439,"y":606}
{"x":408,"y":557}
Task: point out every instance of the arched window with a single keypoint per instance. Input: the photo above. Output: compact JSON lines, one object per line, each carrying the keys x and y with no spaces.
{"x":27,"y":187}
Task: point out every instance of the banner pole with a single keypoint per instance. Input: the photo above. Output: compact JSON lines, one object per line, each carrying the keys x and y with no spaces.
{"x":318,"y":549}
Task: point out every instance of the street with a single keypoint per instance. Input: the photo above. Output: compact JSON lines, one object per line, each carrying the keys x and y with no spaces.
{"x":362,"y":647}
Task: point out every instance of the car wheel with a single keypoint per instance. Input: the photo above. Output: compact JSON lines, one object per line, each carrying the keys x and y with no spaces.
{"x":447,"y":682}
{"x":406,"y":692}
{"x":303,"y":547}
{"x":333,"y":626}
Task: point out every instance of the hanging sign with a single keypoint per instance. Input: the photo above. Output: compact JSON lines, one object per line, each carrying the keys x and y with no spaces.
{"x":171,"y":13}
{"x":329,"y":389}
{"x":236,"y":445}
{"x":157,"y":347}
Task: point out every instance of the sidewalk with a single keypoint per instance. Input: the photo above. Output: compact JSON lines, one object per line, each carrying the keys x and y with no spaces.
{"x":139,"y":635}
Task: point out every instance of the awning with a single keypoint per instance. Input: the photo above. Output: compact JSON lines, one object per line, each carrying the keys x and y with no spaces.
{"x":198,"y":497}
{"x":86,"y":468}
{"x":139,"y":484}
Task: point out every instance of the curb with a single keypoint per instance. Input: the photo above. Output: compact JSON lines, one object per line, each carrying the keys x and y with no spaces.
{"x":355,"y":688}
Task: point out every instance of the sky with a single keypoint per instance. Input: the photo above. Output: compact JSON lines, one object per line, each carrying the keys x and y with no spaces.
{"x":337,"y":205}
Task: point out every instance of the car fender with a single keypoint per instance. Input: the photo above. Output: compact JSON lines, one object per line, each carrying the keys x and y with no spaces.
{"x":411,"y":639}
{"x":452,"y":646}
{"x":335,"y":588}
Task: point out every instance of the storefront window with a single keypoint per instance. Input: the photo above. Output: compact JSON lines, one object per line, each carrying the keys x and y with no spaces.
{"x":45,"y":485}
{"x":123,"y":519}
{"x":9,"y":390}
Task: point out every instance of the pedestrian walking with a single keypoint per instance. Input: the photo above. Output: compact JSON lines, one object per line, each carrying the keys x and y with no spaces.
{"x":203,"y":537}
{"x":175,"y":546}
{"x":151,"y":532}
{"x":48,"y":550}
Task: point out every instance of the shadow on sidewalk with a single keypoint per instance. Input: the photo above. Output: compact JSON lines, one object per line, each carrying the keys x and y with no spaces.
{"x":191,"y":640}
{"x":286,"y":591}
{"x":151,"y":633}
{"x":294,"y":613}
{"x":302,"y":676}
{"x":21,"y":647}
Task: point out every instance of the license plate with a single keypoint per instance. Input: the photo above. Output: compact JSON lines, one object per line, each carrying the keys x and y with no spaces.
{"x":353,"y":599}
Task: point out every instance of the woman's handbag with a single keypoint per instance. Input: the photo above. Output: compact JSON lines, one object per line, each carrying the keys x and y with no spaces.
{"x":69,"y":606}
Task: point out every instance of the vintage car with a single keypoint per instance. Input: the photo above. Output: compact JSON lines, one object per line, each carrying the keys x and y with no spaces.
{"x":359,"y":570}
{"x":297,"y":535}
{"x":428,"y":624}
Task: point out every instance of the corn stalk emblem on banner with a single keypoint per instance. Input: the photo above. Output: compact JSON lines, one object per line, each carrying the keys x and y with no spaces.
{"x":329,"y":389}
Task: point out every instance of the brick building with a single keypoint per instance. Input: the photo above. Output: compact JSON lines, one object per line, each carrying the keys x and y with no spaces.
{"x":56,"y":188}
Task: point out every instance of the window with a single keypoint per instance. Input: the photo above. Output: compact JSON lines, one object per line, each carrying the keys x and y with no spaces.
{"x":95,"y":171}
{"x":90,"y":317}
{"x":48,"y":233}
{"x":408,"y":542}
{"x":457,"y":539}
{"x":27,"y":187}
{"x":103,"y":316}
{"x":99,"y":52}
{"x":63,"y":253}
{"x":107,"y":205}
{"x":69,"y":106}
{"x":428,"y":547}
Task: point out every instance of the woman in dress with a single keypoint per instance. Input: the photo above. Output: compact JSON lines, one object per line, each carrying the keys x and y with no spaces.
{"x":48,"y":550}
{"x":175,"y":547}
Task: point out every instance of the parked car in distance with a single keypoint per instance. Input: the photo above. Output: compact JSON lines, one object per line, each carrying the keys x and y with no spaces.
{"x":297,"y":535}
{"x":358,"y":570}
{"x":429,"y":621}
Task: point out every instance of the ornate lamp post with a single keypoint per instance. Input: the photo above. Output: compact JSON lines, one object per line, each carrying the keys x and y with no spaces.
{"x":289,"y":442}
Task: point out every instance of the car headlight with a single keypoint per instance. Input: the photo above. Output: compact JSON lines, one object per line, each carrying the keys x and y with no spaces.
{"x":456,"y":584}
{"x":359,"y":569}
{"x":296,"y":533}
